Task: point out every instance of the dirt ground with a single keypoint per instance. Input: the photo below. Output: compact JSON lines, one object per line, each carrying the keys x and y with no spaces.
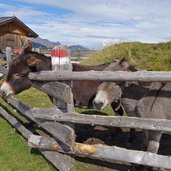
{"x":117,"y":137}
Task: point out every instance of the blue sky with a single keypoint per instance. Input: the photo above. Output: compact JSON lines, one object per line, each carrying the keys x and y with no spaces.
{"x":94,"y":23}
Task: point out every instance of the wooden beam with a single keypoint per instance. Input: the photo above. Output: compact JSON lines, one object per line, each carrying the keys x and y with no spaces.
{"x":56,"y":89}
{"x":2,"y":32}
{"x":104,"y":152}
{"x":60,"y":161}
{"x":62,"y":132}
{"x":8,"y":56}
{"x":15,"y":123}
{"x":143,"y":76}
{"x":3,"y":70}
{"x":67,"y":135}
{"x":22,"y":108}
{"x":43,"y":143}
{"x":112,"y":121}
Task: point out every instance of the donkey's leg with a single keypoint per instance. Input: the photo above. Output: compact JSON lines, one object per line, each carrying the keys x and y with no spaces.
{"x":154,"y":141}
{"x":119,"y":111}
{"x":151,"y":143}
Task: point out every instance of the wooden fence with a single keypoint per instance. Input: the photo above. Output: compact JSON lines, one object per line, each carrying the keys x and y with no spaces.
{"x":61,"y":147}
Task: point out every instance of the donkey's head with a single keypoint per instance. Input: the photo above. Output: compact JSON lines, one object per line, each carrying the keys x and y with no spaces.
{"x":108,"y":92}
{"x":17,"y":78}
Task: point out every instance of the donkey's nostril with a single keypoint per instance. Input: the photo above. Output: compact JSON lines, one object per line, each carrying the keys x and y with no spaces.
{"x":3,"y":93}
{"x":98,"y":106}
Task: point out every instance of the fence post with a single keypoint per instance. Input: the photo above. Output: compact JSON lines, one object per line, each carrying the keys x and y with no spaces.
{"x":8,"y":56}
{"x":61,"y":61}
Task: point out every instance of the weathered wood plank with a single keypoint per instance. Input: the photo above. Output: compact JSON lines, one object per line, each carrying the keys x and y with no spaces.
{"x":62,"y":132}
{"x":42,"y":142}
{"x":3,"y":70}
{"x":25,"y":110}
{"x":113,"y":121}
{"x":68,"y":135}
{"x":60,"y":161}
{"x":63,"y":101}
{"x":143,"y":76}
{"x":62,"y":92}
{"x":8,"y":56}
{"x":15,"y":123}
{"x":104,"y":152}
{"x":56,"y":89}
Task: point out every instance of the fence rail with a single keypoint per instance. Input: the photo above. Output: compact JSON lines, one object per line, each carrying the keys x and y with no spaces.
{"x":112,"y":121}
{"x":104,"y":152}
{"x":57,"y":123}
{"x":143,"y":76}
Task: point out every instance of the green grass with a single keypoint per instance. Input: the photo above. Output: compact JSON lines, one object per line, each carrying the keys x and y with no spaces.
{"x":143,"y":55}
{"x":34,"y":98}
{"x":15,"y":155}
{"x":14,"y":148}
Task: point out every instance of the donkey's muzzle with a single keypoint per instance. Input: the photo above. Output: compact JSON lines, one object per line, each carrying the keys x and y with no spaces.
{"x":98,"y":106}
{"x":6,"y":90}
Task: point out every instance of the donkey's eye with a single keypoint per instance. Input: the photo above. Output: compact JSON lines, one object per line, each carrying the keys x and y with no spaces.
{"x":17,"y":75}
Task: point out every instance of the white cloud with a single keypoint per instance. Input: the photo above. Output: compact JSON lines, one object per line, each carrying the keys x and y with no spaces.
{"x":5,"y":6}
{"x":87,"y":21}
{"x":112,"y":9}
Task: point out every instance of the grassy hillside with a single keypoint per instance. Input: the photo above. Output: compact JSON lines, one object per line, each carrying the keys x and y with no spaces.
{"x":143,"y":55}
{"x":14,"y":151}
{"x":14,"y":148}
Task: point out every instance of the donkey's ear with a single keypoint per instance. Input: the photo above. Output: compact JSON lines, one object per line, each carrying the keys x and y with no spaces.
{"x":26,"y":47}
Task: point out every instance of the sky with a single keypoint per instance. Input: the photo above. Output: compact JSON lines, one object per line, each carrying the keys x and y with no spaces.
{"x":93,"y":23}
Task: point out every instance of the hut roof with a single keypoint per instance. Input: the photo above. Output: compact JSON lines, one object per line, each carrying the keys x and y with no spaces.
{"x":8,"y":20}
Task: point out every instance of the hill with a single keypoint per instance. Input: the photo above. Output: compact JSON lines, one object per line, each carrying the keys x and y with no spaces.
{"x":143,"y":55}
{"x":77,"y":47}
{"x":38,"y":45}
{"x":44,"y":42}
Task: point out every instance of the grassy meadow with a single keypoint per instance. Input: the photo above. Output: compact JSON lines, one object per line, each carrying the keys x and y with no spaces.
{"x":143,"y":55}
{"x":15,"y":155}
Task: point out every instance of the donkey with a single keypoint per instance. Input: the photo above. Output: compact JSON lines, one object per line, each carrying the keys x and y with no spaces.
{"x":110,"y":92}
{"x":148,"y":100}
{"x":17,"y":78}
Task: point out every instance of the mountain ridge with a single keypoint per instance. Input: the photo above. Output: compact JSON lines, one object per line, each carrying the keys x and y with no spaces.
{"x":45,"y":43}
